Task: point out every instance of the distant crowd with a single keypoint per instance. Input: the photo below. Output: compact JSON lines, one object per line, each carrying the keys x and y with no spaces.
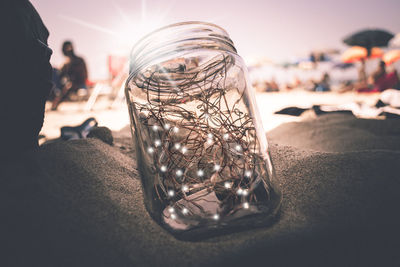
{"x":378,"y":81}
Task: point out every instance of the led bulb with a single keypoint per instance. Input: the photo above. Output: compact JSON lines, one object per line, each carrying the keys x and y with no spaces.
{"x":155,"y":128}
{"x":177,"y":146}
{"x":246,"y":205}
{"x":185,"y":211}
{"x":185,"y":188}
{"x":176,"y":129}
{"x":216,"y":217}
{"x":163,"y":168}
{"x":171,"y":193}
{"x":184,"y":150}
{"x":157,"y":142}
{"x":238,"y":148}
{"x":239,"y":191}
{"x":247,"y":173}
{"x":217,"y":167}
{"x":150,"y":150}
{"x":200,"y":173}
{"x":226,"y":136}
{"x":167,"y":126}
{"x":171,"y":210}
{"x":179,"y":173}
{"x":173,"y":216}
{"x":227,"y":185}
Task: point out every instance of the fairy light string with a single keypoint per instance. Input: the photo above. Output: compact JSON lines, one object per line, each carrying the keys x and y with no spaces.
{"x":198,"y":139}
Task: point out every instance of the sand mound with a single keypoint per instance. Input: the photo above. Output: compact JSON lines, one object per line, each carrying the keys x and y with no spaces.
{"x":339,"y":133}
{"x":85,"y":203}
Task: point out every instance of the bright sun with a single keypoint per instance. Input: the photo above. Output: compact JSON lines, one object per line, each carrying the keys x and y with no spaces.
{"x":126,"y":29}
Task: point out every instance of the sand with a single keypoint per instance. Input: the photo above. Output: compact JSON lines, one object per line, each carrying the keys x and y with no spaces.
{"x":79,"y":203}
{"x":116,"y":118}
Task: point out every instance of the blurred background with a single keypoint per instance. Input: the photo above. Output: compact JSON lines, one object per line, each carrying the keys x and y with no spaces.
{"x":280,"y":31}
{"x":292,"y":48}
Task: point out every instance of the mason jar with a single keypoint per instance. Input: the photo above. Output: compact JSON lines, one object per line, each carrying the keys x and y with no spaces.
{"x":201,"y":149}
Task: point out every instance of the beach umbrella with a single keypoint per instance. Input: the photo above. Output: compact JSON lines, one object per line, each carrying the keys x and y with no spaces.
{"x":391,"y":56}
{"x":395,"y":42}
{"x":357,"y":53}
{"x":369,"y":39}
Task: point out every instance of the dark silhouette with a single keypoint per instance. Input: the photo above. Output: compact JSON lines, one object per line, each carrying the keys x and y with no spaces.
{"x":25,"y":76}
{"x":362,"y":75}
{"x":323,"y":85}
{"x":383,"y":80}
{"x":73,"y":74}
{"x":379,"y":73}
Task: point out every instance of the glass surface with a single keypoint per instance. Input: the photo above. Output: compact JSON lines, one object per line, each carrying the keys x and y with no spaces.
{"x":202,"y":152}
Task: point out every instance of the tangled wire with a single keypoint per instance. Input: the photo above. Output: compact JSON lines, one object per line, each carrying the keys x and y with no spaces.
{"x":198,"y":135}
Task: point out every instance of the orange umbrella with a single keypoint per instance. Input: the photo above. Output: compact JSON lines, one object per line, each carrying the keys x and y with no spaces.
{"x":391,"y":56}
{"x":357,"y":53}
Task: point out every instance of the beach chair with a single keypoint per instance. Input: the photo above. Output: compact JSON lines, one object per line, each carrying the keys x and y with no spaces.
{"x":114,"y":87}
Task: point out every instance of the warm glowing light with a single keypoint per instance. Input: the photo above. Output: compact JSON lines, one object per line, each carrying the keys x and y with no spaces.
{"x":173,"y":216}
{"x":216,"y":217}
{"x":247,"y":173}
{"x":177,"y":146}
{"x":175,"y":129}
{"x":227,"y":185}
{"x":163,"y":168}
{"x":150,"y":150}
{"x":184,"y":150}
{"x":157,"y":142}
{"x":238,"y":148}
{"x":185,"y":211}
{"x":171,"y":193}
{"x":171,"y":210}
{"x":128,"y":26}
{"x":155,"y":128}
{"x":200,"y":173}
{"x":179,"y":173}
{"x":239,"y":191}
{"x":217,"y":167}
{"x":226,"y":136}
{"x":246,"y":205}
{"x":185,"y":188}
{"x":167,"y":126}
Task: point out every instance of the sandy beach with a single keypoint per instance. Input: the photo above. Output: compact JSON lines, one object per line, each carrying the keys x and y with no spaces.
{"x":79,"y":203}
{"x":117,"y":117}
{"x":133,"y":134}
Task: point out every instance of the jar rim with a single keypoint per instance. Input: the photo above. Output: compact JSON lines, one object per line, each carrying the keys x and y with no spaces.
{"x":184,"y":23}
{"x":153,"y":46}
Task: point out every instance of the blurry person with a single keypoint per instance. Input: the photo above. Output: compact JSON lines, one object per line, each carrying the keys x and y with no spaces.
{"x":361,"y":84}
{"x":25,"y":76}
{"x":272,"y":86}
{"x":324,"y":84}
{"x":383,"y":80}
{"x":380,"y":80}
{"x":73,"y":74}
{"x":362,"y":75}
{"x":378,"y":74}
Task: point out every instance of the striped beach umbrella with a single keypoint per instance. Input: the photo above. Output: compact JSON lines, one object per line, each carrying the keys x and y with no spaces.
{"x":391,"y":56}
{"x":356,"y":53}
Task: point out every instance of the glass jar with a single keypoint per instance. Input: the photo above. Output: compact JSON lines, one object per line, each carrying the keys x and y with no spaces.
{"x":201,"y":149}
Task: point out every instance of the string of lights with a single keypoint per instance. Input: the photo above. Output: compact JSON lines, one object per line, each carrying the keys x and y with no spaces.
{"x":199,"y":139}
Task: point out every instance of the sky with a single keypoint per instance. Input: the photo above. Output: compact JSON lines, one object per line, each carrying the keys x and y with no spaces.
{"x":278,"y":30}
